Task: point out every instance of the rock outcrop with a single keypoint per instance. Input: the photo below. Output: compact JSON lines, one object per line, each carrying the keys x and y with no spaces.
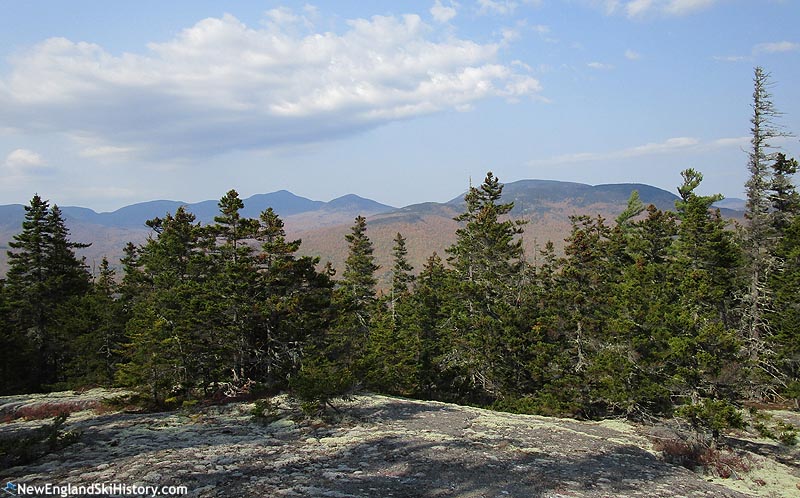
{"x":378,"y":447}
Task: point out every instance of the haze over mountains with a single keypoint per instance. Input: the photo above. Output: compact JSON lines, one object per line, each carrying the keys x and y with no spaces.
{"x":546,"y":205}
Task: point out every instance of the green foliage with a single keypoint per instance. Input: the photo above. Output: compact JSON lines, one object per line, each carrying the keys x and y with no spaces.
{"x":713,"y":416}
{"x":637,"y":316}
{"x":264,"y":411}
{"x":488,"y":277}
{"x":44,"y":281}
{"x":767,"y":426}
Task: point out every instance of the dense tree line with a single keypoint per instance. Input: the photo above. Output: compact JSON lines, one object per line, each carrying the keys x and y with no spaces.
{"x":644,"y":315}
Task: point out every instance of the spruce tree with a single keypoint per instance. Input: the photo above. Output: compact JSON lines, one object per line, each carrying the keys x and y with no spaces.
{"x":784,"y":285}
{"x":393,"y":347}
{"x":432,"y":302}
{"x":95,"y":326}
{"x":487,"y":261}
{"x":174,"y":342}
{"x":334,"y":363}
{"x":358,"y":279}
{"x":401,"y":272}
{"x":44,"y":276}
{"x":233,"y":290}
{"x":704,"y":351}
{"x":759,"y":234}
{"x":293,"y":305}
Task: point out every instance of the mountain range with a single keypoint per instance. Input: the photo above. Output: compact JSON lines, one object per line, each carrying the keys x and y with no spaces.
{"x":545,"y":204}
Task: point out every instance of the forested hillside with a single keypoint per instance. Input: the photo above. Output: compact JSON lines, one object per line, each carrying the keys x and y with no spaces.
{"x":653,"y":313}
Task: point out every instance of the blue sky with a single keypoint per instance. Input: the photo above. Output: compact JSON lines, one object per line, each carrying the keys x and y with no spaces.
{"x":106,"y":104}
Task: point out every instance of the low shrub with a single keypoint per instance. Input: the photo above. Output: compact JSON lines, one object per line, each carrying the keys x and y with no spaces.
{"x":30,"y":445}
{"x":696,"y":454}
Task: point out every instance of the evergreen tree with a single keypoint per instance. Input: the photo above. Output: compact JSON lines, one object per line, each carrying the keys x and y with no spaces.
{"x":15,"y":369}
{"x":783,"y":194}
{"x":334,"y":363}
{"x":393,"y":348}
{"x":487,"y":260}
{"x":431,"y":303}
{"x":358,"y":279}
{"x":173,"y":330}
{"x":95,"y":326}
{"x":401,"y":271}
{"x":44,"y":276}
{"x":234,"y":289}
{"x":293,"y":306}
{"x":643,"y":318}
{"x":587,"y":280}
{"x":704,"y":350}
{"x":784,"y":316}
{"x":759,"y":233}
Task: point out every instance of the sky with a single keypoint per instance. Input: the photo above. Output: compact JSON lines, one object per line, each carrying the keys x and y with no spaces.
{"x":105,"y":104}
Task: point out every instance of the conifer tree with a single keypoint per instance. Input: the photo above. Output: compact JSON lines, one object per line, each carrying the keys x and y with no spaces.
{"x":334,"y":363}
{"x":15,"y":369}
{"x":783,"y":194}
{"x":95,"y":326}
{"x":358,"y":279}
{"x":784,"y":284}
{"x":487,"y":260}
{"x":401,"y":271}
{"x":759,"y":234}
{"x":431,"y":304}
{"x":704,"y":352}
{"x":293,"y":305}
{"x":44,"y":275}
{"x":393,"y":347}
{"x":172,"y":329}
{"x":234,"y":288}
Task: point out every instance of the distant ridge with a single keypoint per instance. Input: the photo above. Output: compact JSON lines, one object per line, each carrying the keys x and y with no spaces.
{"x":283,"y":202}
{"x":428,"y":227}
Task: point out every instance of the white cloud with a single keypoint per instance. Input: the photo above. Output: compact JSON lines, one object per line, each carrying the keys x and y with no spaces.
{"x":636,"y":9}
{"x":738,"y":142}
{"x":632,"y":55}
{"x":107,"y":151}
{"x":221,"y":86}
{"x":683,"y":7}
{"x":669,"y":146}
{"x":501,"y":7}
{"x":442,"y":13}
{"x":730,"y":58}
{"x":283,"y":15}
{"x":776,"y":47}
{"x":24,"y":160}
{"x":600,"y":66}
{"x":509,"y":35}
{"x":761,"y":48}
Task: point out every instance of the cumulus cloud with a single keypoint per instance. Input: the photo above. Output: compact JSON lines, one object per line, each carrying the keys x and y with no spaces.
{"x":24,"y":161}
{"x":442,"y":13}
{"x":221,"y":85}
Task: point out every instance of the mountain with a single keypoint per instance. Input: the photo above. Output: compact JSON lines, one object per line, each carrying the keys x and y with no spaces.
{"x":732,"y":203}
{"x":546,"y":205}
{"x":110,"y":232}
{"x":283,"y":202}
